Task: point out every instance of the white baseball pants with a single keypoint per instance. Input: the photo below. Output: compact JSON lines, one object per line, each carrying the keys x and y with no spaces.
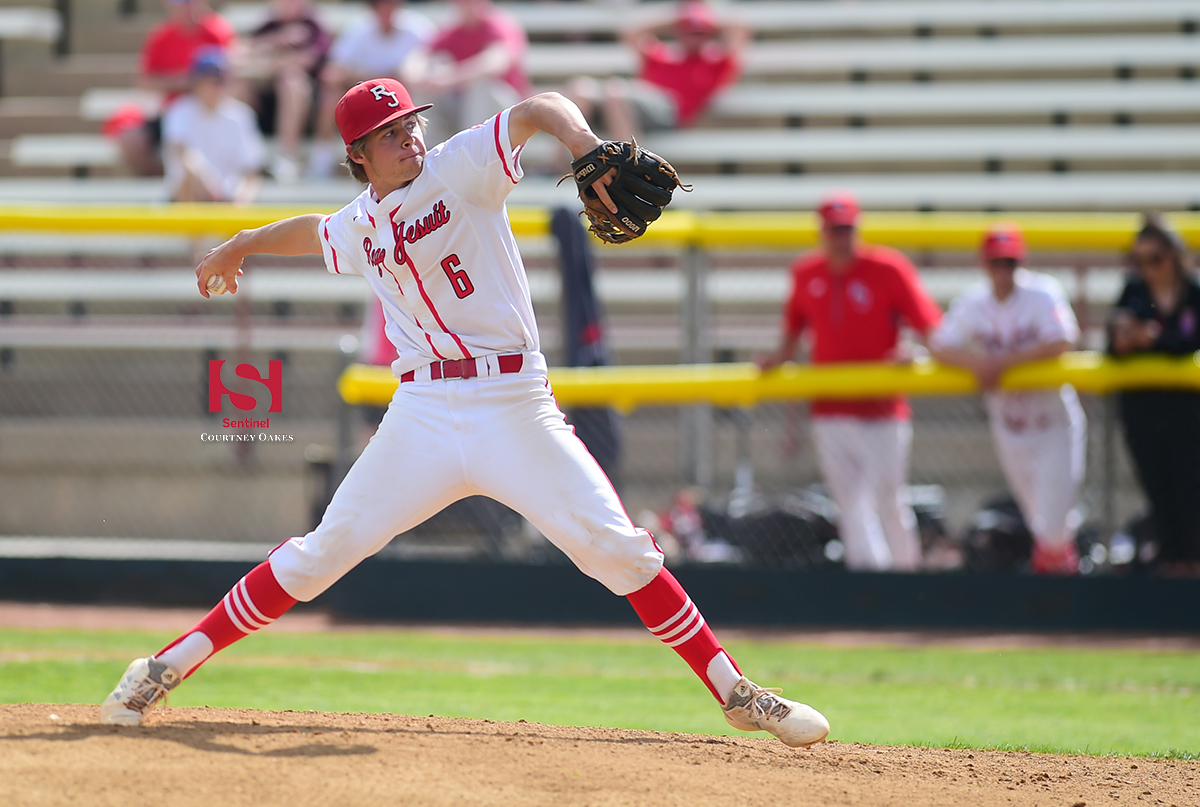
{"x":1044,"y":469}
{"x":501,"y":436}
{"x":865,"y":464}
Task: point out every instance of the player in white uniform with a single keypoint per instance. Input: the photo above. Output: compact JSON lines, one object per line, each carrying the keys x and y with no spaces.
{"x":473,"y":412}
{"x":1021,"y":316}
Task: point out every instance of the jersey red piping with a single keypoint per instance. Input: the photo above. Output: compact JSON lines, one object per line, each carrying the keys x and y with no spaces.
{"x":500,"y":151}
{"x":332,"y":251}
{"x":414,"y":316}
{"x":437,"y":317}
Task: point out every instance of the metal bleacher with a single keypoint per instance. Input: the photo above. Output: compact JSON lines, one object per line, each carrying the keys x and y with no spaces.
{"x":541,"y":20}
{"x":914,"y":104}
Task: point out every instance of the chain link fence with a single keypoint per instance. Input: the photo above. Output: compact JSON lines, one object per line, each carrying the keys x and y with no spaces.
{"x":105,"y":430}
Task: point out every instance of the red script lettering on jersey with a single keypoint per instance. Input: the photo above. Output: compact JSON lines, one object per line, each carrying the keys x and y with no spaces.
{"x":374,"y":256}
{"x":412,"y":233}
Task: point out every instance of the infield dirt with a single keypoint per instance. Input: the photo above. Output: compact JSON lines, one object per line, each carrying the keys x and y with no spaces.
{"x":60,"y":755}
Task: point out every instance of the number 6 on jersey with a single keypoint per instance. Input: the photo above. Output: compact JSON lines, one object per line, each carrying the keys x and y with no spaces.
{"x":458,"y":277}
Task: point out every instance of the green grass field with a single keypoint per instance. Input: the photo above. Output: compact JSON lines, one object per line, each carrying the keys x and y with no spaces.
{"x":1057,"y":700}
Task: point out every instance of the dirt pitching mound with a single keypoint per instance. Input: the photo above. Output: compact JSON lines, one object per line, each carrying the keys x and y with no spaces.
{"x":59,"y":754}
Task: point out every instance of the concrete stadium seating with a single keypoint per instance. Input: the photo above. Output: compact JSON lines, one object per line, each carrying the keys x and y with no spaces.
{"x":1106,"y":54}
{"x":801,"y":147}
{"x":1059,"y":100}
{"x":867,"y":101}
{"x":1010,"y":190}
{"x":35,"y":24}
{"x":814,"y":16}
{"x":1018,"y":65}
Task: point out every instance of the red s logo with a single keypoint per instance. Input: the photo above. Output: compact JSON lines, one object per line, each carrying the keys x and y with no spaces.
{"x":273,"y":382}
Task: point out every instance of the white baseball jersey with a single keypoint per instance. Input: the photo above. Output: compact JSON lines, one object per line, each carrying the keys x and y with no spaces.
{"x":1040,"y":435}
{"x":1037,"y":312}
{"x":440,"y":253}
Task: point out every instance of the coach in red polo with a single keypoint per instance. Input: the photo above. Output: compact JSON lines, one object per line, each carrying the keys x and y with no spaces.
{"x":853,"y":298}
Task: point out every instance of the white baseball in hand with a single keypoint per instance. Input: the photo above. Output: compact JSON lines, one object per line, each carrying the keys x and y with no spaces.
{"x":216,"y":285}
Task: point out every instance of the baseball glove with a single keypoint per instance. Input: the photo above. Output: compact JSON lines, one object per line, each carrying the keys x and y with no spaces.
{"x":641,"y":189}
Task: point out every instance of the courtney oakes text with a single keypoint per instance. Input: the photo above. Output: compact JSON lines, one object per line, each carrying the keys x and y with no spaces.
{"x":246,"y":437}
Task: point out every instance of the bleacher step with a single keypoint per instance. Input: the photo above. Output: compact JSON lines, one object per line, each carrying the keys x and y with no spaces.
{"x":34,"y":115}
{"x":74,"y":75}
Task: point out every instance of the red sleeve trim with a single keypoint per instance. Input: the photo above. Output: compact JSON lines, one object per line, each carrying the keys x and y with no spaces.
{"x":332,"y":251}
{"x":500,"y":150}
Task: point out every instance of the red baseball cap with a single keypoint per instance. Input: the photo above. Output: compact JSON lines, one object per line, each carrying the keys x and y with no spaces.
{"x":1003,"y":241}
{"x":839,"y":210}
{"x":370,"y":104}
{"x":126,"y":117}
{"x":696,"y":15}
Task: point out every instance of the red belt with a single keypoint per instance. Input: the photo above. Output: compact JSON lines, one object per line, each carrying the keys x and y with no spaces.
{"x":467,"y":368}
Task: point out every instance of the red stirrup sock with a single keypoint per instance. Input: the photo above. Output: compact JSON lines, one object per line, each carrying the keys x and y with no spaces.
{"x":255,"y":602}
{"x":666,"y":609}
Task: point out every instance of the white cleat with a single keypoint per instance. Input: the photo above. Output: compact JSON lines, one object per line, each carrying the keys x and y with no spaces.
{"x":146,"y":682}
{"x":755,"y":708}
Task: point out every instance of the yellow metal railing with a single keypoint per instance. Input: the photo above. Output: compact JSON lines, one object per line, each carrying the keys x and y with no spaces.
{"x":725,"y":384}
{"x":1093,"y":232}
{"x":626,"y":388}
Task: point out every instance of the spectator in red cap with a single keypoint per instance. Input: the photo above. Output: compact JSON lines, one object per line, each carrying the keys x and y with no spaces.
{"x":852,"y":297}
{"x":1018,"y":316}
{"x":676,"y":80}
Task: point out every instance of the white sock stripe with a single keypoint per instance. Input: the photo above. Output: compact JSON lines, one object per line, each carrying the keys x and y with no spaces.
{"x":686,"y":605}
{"x":243,"y":611}
{"x":233,"y":617}
{"x":250,"y":624}
{"x":692,"y":617}
{"x":249,"y":603}
{"x":688,"y":635}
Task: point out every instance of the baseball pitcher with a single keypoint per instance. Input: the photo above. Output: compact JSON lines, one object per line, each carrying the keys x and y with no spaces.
{"x":473,"y":412}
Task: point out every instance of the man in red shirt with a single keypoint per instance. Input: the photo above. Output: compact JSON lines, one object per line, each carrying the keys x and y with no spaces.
{"x":472,"y":69}
{"x":165,"y":66}
{"x":852,"y":297}
{"x":676,"y":81}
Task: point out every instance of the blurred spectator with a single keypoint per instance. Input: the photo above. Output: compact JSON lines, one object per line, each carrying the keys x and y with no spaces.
{"x":852,"y":297}
{"x":471,"y":70}
{"x":167,"y":56}
{"x":282,"y":59}
{"x":1019,"y":316}
{"x":1159,"y":312}
{"x":376,"y":46}
{"x":212,"y":148}
{"x":676,"y":81}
